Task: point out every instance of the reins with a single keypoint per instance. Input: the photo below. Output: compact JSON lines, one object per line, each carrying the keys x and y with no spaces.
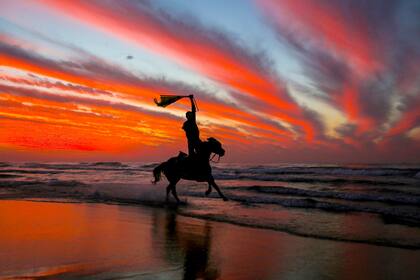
{"x":218,"y":159}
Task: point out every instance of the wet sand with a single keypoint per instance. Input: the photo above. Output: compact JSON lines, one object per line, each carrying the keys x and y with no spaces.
{"x":97,"y":241}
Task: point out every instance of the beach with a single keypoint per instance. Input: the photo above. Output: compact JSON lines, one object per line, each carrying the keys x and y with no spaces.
{"x":52,"y":240}
{"x":107,"y":221}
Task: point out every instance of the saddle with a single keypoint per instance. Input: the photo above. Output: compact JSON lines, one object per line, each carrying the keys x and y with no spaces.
{"x":189,"y":161}
{"x":192,"y":167}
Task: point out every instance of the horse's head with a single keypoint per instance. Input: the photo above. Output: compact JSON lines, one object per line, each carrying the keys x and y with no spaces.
{"x":215,"y":146}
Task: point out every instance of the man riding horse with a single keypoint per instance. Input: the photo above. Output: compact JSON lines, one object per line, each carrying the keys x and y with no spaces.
{"x":196,"y":166}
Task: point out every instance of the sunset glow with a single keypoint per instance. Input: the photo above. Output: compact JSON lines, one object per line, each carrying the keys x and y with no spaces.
{"x":280,"y":81}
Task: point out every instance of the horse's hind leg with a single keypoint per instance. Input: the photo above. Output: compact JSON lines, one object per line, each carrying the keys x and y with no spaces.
{"x":172,"y":188}
{"x":213,"y":183}
{"x":208,"y":190}
{"x":168,"y":190}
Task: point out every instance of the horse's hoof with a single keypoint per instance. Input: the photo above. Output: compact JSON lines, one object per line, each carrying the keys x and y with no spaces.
{"x":207,"y":193}
{"x":225,"y":199}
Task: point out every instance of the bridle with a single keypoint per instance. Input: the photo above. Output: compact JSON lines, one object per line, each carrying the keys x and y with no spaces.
{"x":214,"y":154}
{"x":218,"y":159}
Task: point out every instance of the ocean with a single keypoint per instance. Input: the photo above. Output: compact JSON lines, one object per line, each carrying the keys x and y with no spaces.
{"x":373,"y":204}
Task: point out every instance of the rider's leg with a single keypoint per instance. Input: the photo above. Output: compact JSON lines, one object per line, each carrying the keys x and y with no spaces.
{"x":197,"y":143}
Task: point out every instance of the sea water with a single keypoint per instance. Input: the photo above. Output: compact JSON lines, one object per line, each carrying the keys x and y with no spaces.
{"x":374,"y":204}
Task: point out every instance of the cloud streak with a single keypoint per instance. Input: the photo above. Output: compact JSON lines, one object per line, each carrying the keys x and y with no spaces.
{"x":353,"y":52}
{"x":192,"y":45}
{"x":357,"y":62}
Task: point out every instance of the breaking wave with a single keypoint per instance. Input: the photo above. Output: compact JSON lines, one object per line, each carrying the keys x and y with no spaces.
{"x":331,"y":170}
{"x":411,"y":215}
{"x":70,"y":166}
{"x":410,"y":199}
{"x":389,"y":194}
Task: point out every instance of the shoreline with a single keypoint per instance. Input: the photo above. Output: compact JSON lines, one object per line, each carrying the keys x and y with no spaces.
{"x":176,"y":207}
{"x":356,"y":214}
{"x":77,"y":239}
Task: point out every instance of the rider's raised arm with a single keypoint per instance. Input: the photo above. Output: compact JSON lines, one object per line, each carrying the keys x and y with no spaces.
{"x":193,"y":109}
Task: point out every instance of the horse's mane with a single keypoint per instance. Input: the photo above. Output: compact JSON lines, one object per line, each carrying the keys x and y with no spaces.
{"x":213,"y":140}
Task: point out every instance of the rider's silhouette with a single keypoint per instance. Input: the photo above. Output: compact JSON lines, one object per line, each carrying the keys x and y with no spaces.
{"x":191,"y":130}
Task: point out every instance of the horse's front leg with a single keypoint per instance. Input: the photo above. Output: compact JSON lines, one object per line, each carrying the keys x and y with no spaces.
{"x":173,"y":189}
{"x":208,"y":190}
{"x":213,"y":183}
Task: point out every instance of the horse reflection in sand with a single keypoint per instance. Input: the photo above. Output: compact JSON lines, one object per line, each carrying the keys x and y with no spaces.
{"x":186,"y":244}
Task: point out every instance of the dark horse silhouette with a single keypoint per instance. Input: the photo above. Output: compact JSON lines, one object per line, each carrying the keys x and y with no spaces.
{"x":195,"y":168}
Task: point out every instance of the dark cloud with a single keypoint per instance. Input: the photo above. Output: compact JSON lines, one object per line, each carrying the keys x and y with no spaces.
{"x":192,"y":31}
{"x":346,"y":130}
{"x":390,"y":30}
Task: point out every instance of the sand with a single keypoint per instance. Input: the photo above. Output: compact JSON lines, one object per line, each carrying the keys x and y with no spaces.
{"x":56,"y":240}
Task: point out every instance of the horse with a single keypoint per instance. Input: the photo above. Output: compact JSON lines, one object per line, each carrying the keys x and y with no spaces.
{"x":194,"y":167}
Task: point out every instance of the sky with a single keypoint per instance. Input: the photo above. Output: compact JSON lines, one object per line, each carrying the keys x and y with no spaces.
{"x":291,"y":81}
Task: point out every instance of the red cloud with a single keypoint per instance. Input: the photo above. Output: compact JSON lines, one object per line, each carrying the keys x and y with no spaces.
{"x":328,"y":25}
{"x":188,"y":48}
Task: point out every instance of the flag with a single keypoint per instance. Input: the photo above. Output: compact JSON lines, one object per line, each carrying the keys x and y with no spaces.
{"x":166,"y":100}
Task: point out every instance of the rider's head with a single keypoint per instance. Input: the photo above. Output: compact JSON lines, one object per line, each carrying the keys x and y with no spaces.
{"x":189,"y":115}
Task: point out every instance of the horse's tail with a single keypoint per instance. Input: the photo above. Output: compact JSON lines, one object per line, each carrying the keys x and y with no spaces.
{"x":157,"y":172}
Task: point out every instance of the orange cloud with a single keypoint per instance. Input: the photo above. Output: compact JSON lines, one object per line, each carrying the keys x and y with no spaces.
{"x":213,"y":109}
{"x":200,"y":54}
{"x":49,"y":69}
{"x":55,"y":125}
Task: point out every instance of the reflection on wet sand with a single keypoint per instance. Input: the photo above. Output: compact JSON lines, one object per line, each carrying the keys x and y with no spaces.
{"x":96,"y":241}
{"x":73,"y":240}
{"x":191,"y":242}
